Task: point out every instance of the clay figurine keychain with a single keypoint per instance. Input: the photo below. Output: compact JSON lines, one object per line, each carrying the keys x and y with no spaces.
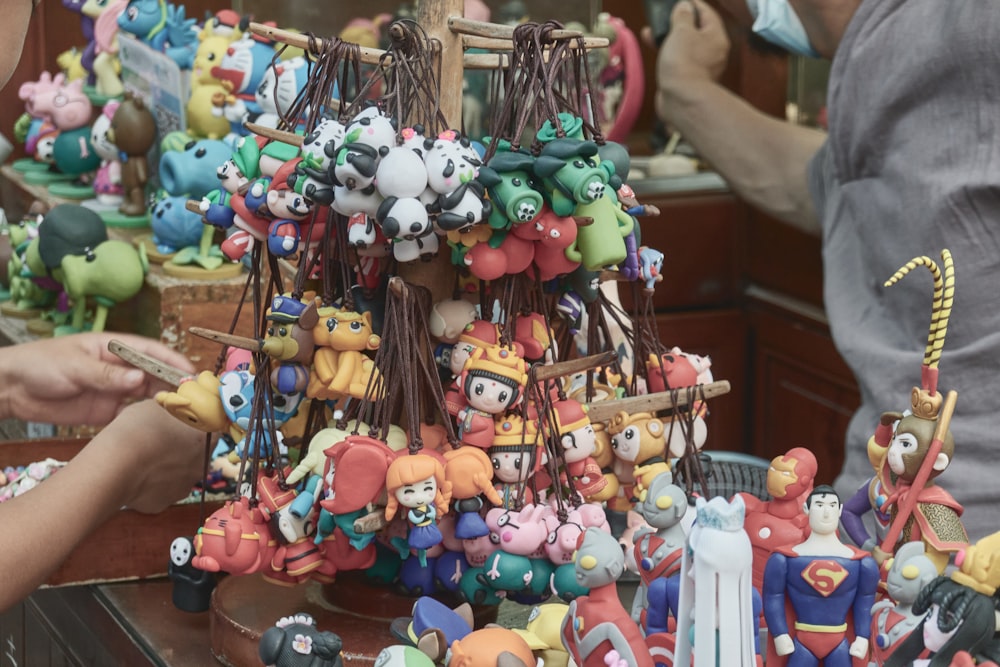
{"x":492,"y":382}
{"x":417,"y":483}
{"x":294,"y":641}
{"x":921,"y":446}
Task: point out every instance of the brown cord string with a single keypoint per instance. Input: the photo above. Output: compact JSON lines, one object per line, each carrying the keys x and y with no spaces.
{"x":412,"y":84}
{"x":690,"y":462}
{"x":438,"y":409}
{"x":258,"y":316}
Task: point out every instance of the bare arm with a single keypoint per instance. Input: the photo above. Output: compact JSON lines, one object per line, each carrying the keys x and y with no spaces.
{"x":763,"y":158}
{"x":75,"y":380}
{"x":17,"y":14}
{"x":145,"y":459}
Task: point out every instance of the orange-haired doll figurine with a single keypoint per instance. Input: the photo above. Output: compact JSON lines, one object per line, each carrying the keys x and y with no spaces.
{"x":417,"y":482}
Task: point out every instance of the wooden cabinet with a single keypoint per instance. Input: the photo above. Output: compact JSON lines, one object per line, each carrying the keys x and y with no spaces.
{"x":747,"y":291}
{"x":722,"y":335}
{"x":89,"y":626}
{"x":802,"y":392}
{"x":699,"y":234}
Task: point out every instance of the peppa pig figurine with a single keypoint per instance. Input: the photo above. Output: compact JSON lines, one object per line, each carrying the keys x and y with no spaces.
{"x":520,"y":564}
{"x":53,"y":99}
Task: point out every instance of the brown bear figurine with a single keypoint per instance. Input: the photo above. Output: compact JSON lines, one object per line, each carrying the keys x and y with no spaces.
{"x":133,"y":131}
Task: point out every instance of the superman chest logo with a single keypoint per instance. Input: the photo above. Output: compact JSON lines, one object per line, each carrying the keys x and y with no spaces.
{"x":824,"y":576}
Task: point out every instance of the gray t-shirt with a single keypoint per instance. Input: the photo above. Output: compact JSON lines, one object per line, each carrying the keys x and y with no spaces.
{"x":912,"y":166}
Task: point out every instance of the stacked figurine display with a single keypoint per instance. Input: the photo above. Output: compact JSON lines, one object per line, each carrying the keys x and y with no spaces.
{"x":479,"y":445}
{"x":66,"y":273}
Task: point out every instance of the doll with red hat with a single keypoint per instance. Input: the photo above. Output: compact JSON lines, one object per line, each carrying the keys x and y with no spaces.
{"x":578,"y":442}
{"x":492,"y":383}
{"x":476,"y":334}
{"x":288,"y":208}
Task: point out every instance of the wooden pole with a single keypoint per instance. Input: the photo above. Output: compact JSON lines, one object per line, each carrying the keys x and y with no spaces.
{"x":155,"y":367}
{"x":232,"y":340}
{"x":663,"y":400}
{"x":433,"y":17}
{"x":438,"y":275}
{"x":494,"y":44}
{"x":275,"y":134}
{"x":464,"y":26}
{"x":567,"y":368}
{"x":369,"y":56}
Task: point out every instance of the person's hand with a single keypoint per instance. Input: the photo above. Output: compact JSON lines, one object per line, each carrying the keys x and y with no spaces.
{"x":696,"y":48}
{"x":159,"y":458}
{"x":75,"y":380}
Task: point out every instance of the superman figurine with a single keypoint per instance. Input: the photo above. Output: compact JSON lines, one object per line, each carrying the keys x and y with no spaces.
{"x":818,"y":594}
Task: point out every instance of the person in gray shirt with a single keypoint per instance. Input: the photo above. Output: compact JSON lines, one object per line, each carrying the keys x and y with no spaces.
{"x":910,"y":166}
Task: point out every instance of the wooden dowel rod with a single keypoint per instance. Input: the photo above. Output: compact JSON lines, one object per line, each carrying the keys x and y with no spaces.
{"x":169,"y":374}
{"x":194,"y":206}
{"x":275,"y":134}
{"x":564,"y":368}
{"x":485,"y":61}
{"x":608,"y":274}
{"x":369,"y":55}
{"x":495,"y":44}
{"x":493,"y":60}
{"x":397,"y":285}
{"x":371,"y":522}
{"x":490,"y":43}
{"x":664,"y":400}
{"x":288,"y":271}
{"x":464,"y":26}
{"x":232,"y":340}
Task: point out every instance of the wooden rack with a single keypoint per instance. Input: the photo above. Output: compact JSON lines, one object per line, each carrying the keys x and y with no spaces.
{"x":443,"y":22}
{"x":474,"y":35}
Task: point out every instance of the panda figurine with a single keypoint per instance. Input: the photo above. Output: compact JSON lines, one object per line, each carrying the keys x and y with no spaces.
{"x":294,"y":641}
